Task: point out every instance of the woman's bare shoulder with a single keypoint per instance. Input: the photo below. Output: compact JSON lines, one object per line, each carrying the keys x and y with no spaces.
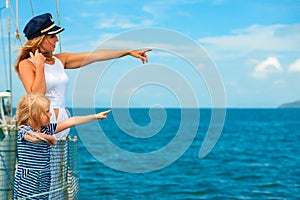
{"x":63,"y":56}
{"x":26,"y":63}
{"x":26,"y":67}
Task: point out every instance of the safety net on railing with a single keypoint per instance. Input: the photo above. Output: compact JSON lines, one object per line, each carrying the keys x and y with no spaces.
{"x":64,"y":168}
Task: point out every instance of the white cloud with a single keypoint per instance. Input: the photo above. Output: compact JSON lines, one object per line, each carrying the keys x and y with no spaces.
{"x":162,"y":9}
{"x":295,"y":66}
{"x":122,"y":21}
{"x":279,"y":82}
{"x":117,"y":22}
{"x":255,"y":38}
{"x":269,"y":66}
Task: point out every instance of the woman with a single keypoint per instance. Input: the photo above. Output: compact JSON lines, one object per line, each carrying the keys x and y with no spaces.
{"x":43,"y":72}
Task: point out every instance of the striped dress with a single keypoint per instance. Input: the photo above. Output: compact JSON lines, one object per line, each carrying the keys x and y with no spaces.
{"x":33,"y":175}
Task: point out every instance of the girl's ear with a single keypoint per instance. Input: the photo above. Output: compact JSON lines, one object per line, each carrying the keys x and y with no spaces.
{"x":33,"y":115}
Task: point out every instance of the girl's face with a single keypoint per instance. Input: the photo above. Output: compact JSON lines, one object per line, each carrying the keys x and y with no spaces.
{"x":45,"y":119}
{"x":48,"y":44}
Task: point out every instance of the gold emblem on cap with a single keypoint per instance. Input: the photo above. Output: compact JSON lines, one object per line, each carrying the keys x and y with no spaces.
{"x":51,"y":19}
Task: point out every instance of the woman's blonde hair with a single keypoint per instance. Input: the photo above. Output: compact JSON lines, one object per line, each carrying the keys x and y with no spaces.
{"x":30,"y":46}
{"x":31,"y":109}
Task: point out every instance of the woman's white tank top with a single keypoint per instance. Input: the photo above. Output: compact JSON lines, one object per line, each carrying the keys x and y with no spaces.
{"x":56,"y":83}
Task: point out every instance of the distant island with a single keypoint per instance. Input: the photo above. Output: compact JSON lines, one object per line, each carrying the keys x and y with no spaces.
{"x":295,"y":104}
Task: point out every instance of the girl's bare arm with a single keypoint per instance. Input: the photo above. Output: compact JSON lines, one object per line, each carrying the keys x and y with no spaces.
{"x":77,"y":120}
{"x":37,"y":137}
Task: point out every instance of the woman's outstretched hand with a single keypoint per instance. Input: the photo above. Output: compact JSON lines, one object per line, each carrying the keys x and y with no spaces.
{"x":141,"y":54}
{"x":102,"y":115}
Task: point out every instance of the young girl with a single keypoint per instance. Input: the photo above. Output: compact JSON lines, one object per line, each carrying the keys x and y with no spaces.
{"x":33,"y":145}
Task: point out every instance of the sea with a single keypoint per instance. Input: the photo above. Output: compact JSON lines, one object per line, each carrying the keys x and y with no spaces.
{"x":256,"y":155}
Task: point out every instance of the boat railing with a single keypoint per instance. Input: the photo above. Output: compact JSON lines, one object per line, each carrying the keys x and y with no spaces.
{"x":64,"y":174}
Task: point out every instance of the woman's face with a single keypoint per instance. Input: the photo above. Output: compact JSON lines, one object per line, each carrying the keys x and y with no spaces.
{"x":48,"y":45}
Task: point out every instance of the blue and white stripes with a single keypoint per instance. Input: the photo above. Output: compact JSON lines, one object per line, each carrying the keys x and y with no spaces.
{"x":33,"y":171}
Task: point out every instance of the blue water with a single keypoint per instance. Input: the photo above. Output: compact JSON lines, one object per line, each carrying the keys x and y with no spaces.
{"x":256,"y":157}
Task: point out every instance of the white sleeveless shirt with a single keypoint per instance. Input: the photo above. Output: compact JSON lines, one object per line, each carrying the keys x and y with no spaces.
{"x":56,"y":83}
{"x":56,"y":87}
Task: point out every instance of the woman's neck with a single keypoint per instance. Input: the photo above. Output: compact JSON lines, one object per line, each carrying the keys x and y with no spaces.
{"x":49,"y":57}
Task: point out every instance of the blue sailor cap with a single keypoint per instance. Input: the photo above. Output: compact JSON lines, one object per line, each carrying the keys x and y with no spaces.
{"x":41,"y":25}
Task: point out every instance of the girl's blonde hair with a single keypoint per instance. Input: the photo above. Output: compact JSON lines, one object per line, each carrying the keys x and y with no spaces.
{"x":31,"y":109}
{"x":30,"y":46}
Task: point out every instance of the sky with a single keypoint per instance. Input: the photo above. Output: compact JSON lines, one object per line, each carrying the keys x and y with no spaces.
{"x":205,"y":53}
